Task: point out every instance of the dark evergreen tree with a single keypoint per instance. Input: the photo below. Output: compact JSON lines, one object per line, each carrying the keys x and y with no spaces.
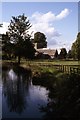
{"x":56,"y":54}
{"x":63,"y":53}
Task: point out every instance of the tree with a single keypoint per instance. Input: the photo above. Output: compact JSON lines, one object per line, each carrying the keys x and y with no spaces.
{"x":7,"y":47}
{"x":19,"y":37}
{"x":75,"y":49}
{"x":1,"y":25}
{"x":69,"y":54}
{"x":63,"y":53}
{"x":56,"y":54}
{"x":78,"y":46}
{"x":40,"y":39}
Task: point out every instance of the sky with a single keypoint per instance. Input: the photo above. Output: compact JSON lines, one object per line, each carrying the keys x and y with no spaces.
{"x":57,"y":20}
{"x":78,"y":16}
{"x":39,"y":0}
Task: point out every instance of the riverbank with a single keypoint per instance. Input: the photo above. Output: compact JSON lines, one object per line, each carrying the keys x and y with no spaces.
{"x":43,"y":73}
{"x":39,"y":67}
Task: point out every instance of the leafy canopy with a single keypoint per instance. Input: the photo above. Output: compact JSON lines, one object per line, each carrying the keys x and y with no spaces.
{"x":40,"y":39}
{"x":19,"y":37}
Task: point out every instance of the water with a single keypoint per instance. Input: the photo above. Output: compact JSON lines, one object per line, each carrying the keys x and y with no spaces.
{"x":20,"y":98}
{"x":0,"y":92}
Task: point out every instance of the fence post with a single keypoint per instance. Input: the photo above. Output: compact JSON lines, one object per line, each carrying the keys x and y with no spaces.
{"x":70,"y":70}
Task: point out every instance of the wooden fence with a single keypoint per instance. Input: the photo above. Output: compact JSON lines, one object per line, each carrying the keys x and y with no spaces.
{"x":69,"y":68}
{"x":64,"y":68}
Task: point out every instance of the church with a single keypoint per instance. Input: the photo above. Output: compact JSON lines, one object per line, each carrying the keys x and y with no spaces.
{"x":44,"y":51}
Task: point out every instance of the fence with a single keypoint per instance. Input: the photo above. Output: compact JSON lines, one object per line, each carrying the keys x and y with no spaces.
{"x":69,"y":68}
{"x":64,"y":68}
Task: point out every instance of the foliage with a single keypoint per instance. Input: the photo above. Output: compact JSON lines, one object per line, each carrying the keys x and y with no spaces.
{"x":76,"y":48}
{"x":63,"y":53}
{"x":1,"y":25}
{"x":69,"y":54}
{"x":63,"y":93}
{"x":56,"y":54}
{"x":42,"y":56}
{"x":7,"y":47}
{"x":74,"y":51}
{"x":19,"y":38}
{"x":40,"y":39}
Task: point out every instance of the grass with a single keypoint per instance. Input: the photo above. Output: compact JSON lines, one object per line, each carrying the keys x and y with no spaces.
{"x":67,"y":62}
{"x":48,"y":62}
{"x":38,"y":65}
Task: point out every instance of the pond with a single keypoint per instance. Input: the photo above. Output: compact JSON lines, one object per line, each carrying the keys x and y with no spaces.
{"x":47,"y":96}
{"x":20,"y":98}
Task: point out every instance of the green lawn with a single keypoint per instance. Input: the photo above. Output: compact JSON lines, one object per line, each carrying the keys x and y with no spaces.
{"x":52,"y":62}
{"x":44,"y":62}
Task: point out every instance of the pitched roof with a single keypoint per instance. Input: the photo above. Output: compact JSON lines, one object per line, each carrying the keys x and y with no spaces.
{"x":50,"y":52}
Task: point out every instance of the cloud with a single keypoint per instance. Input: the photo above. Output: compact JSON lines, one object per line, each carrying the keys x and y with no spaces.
{"x":64,"y":13}
{"x":4,"y":27}
{"x":49,"y":16}
{"x":44,"y":22}
{"x":40,"y":17}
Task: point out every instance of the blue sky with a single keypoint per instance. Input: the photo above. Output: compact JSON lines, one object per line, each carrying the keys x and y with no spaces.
{"x":40,"y":0}
{"x":58,"y":20}
{"x":78,"y":16}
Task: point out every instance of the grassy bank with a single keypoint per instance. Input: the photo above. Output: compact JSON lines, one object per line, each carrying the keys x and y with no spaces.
{"x":38,"y":66}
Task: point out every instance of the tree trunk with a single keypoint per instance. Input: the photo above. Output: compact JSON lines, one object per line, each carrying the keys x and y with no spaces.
{"x":19,"y":59}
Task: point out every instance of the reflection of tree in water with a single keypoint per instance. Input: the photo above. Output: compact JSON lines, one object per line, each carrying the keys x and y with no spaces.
{"x":15,"y":87}
{"x":65,"y":99}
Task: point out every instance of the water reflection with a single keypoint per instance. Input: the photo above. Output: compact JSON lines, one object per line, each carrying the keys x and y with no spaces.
{"x":12,"y":75}
{"x":20,"y":97}
{"x":0,"y":99}
{"x":0,"y":92}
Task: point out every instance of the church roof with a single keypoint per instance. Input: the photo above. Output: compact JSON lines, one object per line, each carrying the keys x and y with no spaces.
{"x":50,"y":52}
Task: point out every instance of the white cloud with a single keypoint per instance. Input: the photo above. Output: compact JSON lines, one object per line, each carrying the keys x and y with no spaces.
{"x":49,"y":16}
{"x":40,"y":17}
{"x":64,"y":13}
{"x":4,"y":27}
{"x":44,"y":23}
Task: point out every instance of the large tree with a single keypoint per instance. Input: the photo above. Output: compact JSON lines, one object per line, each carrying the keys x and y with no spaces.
{"x":19,"y":37}
{"x":40,"y":39}
{"x":75,"y":49}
